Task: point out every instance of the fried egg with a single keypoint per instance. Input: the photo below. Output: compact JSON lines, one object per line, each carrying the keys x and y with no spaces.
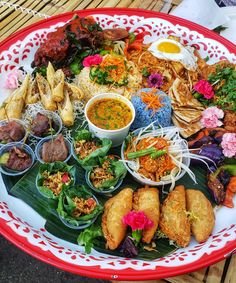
{"x":169,"y":49}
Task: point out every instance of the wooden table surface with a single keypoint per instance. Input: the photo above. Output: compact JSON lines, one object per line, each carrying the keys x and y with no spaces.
{"x":16,"y":14}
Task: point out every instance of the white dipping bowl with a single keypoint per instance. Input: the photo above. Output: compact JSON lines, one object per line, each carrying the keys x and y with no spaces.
{"x":116,"y":136}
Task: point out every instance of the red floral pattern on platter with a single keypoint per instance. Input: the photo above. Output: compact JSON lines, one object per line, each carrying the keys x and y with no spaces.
{"x":21,"y":53}
{"x":73,"y":254}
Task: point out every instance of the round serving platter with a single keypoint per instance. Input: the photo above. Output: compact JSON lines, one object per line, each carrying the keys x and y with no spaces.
{"x":21,"y":225}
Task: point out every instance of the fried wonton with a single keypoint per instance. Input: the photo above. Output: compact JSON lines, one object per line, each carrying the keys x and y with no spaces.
{"x":203,"y":218}
{"x":174,"y":222}
{"x":147,"y":200}
{"x":115,"y":209}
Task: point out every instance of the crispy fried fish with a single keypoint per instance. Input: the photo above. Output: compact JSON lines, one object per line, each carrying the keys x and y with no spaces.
{"x":174,"y":222}
{"x":115,"y":209}
{"x":203,"y":220}
{"x":147,"y":200}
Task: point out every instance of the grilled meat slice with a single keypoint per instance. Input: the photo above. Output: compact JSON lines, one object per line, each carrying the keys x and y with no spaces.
{"x":55,"y":150}
{"x":18,"y":160}
{"x":40,"y":125}
{"x":11,"y":132}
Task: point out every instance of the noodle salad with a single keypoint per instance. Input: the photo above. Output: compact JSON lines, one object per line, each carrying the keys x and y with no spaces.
{"x":158,"y":156}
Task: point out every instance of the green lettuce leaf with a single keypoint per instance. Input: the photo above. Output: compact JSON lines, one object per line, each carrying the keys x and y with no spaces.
{"x":66,"y":205}
{"x":54,"y":168}
{"x":87,"y":237}
{"x":118,"y":170}
{"x":92,"y":159}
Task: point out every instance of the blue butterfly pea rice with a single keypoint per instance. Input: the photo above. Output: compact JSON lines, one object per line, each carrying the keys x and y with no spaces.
{"x":144,"y":116}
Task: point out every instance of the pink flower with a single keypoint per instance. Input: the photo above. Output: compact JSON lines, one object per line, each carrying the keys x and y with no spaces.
{"x":210,"y":117}
{"x":205,"y":88}
{"x":13,"y":79}
{"x":92,"y":60}
{"x":229,"y":144}
{"x":137,"y":220}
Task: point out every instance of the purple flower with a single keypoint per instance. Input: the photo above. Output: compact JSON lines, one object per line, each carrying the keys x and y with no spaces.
{"x":155,"y":80}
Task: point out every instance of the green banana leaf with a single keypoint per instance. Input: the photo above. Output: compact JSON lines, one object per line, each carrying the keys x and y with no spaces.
{"x":25,"y":189}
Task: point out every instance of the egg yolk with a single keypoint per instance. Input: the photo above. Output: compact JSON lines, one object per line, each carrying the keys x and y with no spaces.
{"x":168,"y":47}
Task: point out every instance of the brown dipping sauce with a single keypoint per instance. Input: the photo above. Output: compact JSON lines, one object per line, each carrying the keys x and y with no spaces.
{"x":109,"y":114}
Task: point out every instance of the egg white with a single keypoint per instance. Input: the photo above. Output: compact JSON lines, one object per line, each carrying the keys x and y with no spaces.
{"x":185,"y":56}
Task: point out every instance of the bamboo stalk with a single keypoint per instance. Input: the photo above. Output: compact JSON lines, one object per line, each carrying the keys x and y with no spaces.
{"x":231,"y":272}
{"x":215,"y":272}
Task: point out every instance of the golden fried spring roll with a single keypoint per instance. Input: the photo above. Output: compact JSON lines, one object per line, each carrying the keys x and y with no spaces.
{"x":65,"y":109}
{"x":45,"y":93}
{"x":15,"y":107}
{"x":3,"y":106}
{"x":115,"y":209}
{"x":58,"y":85}
{"x":174,"y":222}
{"x":147,"y":200}
{"x":2,"y":113}
{"x":203,"y":219}
{"x":56,"y":82}
{"x":76,"y":93}
{"x":32,"y":95}
{"x":50,"y":74}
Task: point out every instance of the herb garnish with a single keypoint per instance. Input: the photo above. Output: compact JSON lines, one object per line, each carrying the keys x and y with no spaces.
{"x":224,"y":82}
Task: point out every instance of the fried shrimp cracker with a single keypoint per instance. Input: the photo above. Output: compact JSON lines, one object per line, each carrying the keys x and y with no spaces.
{"x":203,"y":220}
{"x":115,"y":209}
{"x":147,"y":200}
{"x":174,"y":222}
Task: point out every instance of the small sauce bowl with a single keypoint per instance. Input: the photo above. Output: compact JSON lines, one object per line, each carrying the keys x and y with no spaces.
{"x":116,"y":136}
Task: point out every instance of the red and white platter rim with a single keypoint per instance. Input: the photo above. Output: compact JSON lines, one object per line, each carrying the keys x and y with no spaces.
{"x":96,"y":271}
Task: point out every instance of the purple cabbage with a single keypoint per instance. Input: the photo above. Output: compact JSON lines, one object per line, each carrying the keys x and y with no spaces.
{"x":128,"y":248}
{"x":212,"y":151}
{"x":202,"y":141}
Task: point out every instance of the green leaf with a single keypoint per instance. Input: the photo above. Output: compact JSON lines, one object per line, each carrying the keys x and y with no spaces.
{"x":117,"y":169}
{"x":66,"y":205}
{"x":132,"y":37}
{"x":87,"y":237}
{"x":145,"y":72}
{"x":219,"y":29}
{"x":54,"y":168}
{"x":92,"y":159}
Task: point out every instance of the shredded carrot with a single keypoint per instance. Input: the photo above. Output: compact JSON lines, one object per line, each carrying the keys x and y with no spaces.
{"x":151,"y":99}
{"x":111,"y":60}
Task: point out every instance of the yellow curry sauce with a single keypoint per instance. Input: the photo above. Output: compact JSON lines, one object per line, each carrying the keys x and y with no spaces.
{"x":109,"y":114}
